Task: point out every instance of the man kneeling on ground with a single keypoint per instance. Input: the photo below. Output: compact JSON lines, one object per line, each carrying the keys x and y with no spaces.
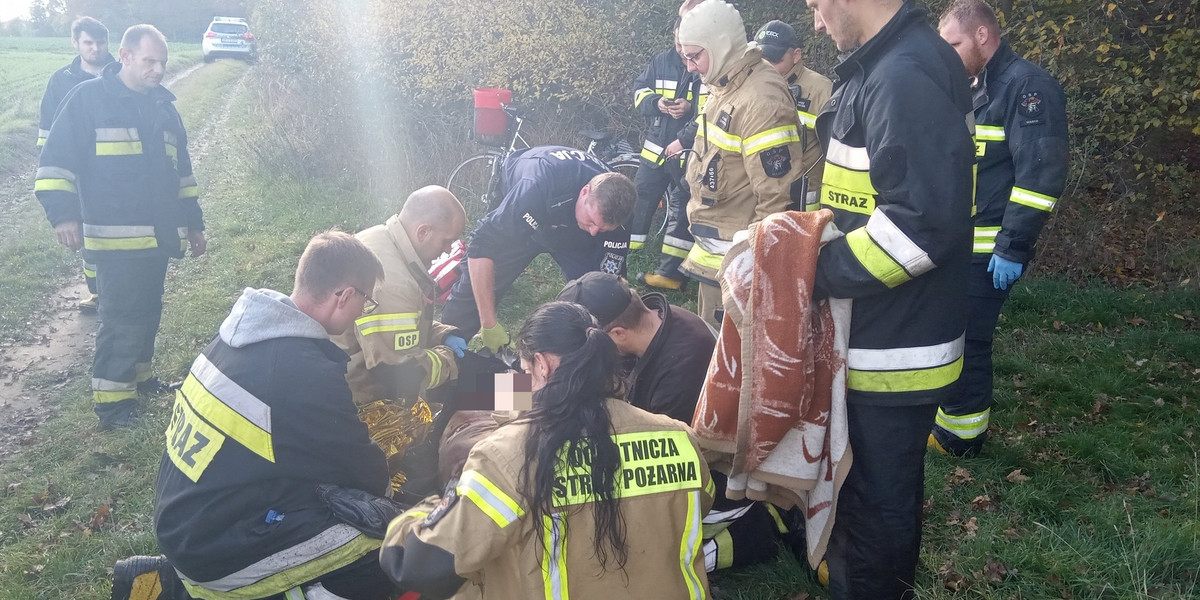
{"x":263,"y":418}
{"x":669,"y":350}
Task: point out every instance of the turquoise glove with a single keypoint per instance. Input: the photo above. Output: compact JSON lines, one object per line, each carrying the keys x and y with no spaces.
{"x":1004,"y":272}
{"x":457,"y":344}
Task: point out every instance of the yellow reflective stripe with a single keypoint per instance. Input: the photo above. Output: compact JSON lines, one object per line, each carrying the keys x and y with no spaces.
{"x":170,"y":138}
{"x":387,"y":322}
{"x":724,"y":543}
{"x":142,"y":371}
{"x":775,"y":516}
{"x":488,"y":498}
{"x":689,"y":547}
{"x":989,"y":133}
{"x":189,"y":192}
{"x":554,"y":557}
{"x":985,"y":239}
{"x":847,"y":189}
{"x":227,"y":419}
{"x":435,"y":367}
{"x":673,"y":251}
{"x":294,"y":594}
{"x":874,"y":259}
{"x":118,"y":148}
{"x":912,"y":357}
{"x":719,"y":137}
{"x":106,"y":397}
{"x":636,"y":245}
{"x":965,"y":427}
{"x":915,"y":380}
{"x":710,"y":488}
{"x":89,"y":270}
{"x":326,"y":552}
{"x":138,"y":243}
{"x":778,"y":136}
{"x":172,"y":152}
{"x":653,"y":152}
{"x":704,"y":258}
{"x":809,"y":120}
{"x":54,"y":185}
{"x":1033,"y":199}
{"x":641,"y":94}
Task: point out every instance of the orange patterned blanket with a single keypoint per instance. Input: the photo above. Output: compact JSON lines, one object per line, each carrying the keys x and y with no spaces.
{"x":772,"y":414}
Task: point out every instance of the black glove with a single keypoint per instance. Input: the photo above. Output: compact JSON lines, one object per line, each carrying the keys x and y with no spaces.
{"x":364,"y":511}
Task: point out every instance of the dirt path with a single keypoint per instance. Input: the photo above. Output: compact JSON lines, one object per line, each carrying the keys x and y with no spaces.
{"x":60,"y":350}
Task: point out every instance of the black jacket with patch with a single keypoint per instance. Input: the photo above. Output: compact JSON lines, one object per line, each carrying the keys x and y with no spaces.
{"x":1021,"y":143}
{"x":667,"y":379}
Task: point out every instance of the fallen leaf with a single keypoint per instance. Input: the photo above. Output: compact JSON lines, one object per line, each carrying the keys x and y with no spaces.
{"x":952,"y":580}
{"x":1057,"y":324}
{"x":962,"y":476}
{"x":971,"y":527}
{"x":100,"y":516}
{"x":1016,"y":477}
{"x":1136,"y":321}
{"x":983,"y":503}
{"x":995,"y":570}
{"x":1159,"y":402}
{"x":1011,"y":534}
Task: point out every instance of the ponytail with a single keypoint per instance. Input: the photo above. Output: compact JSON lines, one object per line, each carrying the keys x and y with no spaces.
{"x":570,"y":418}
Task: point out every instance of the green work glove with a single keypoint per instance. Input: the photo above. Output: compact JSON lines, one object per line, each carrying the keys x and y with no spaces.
{"x":494,"y":337}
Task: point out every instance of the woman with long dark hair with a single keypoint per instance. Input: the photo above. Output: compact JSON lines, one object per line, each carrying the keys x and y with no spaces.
{"x":584,"y":495}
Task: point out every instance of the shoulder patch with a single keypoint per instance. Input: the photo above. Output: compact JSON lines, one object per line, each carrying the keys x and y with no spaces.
{"x":1030,"y":104}
{"x":443,"y":507}
{"x":612,"y":263}
{"x":776,"y":161}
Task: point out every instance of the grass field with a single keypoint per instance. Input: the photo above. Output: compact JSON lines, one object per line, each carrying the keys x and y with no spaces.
{"x":1090,"y":487}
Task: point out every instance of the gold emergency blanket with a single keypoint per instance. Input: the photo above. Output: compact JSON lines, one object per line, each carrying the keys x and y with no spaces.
{"x":395,"y":428}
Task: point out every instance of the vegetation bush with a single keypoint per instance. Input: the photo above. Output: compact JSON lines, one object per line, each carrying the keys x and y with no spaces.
{"x":382,"y":92}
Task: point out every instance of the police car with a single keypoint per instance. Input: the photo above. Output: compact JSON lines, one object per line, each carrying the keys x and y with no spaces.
{"x":229,"y":36}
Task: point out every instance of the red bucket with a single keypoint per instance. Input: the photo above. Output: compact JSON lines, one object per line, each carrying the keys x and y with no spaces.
{"x":490,"y":119}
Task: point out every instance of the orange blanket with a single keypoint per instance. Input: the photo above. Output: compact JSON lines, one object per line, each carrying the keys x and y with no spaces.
{"x":772,"y":414}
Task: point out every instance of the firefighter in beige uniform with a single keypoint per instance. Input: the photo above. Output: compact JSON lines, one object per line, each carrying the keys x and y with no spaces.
{"x":747,"y":155}
{"x":397,"y":350}
{"x":810,"y":91}
{"x":489,"y":529}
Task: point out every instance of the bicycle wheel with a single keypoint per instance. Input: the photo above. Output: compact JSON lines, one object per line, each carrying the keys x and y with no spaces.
{"x":471,"y":183}
{"x":628,"y":167}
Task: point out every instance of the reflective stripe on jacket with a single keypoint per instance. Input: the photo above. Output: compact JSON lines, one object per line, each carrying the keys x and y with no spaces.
{"x":898,"y":177}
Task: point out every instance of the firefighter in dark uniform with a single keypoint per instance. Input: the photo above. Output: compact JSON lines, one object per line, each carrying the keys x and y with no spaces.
{"x":115,"y":178}
{"x":898,"y":178}
{"x":1021,"y":148}
{"x":810,"y":90}
{"x":262,"y":420}
{"x":558,"y":200}
{"x":665,"y":93}
{"x":90,"y":39}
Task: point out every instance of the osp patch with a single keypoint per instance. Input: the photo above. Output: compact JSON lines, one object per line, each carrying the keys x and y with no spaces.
{"x":776,"y":161}
{"x":1031,"y":104}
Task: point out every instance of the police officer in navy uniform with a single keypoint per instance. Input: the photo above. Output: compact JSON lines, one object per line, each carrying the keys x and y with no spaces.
{"x":558,"y":200}
{"x":1021,"y":151}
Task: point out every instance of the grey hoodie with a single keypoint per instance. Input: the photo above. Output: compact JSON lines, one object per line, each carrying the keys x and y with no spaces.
{"x":264,"y":314}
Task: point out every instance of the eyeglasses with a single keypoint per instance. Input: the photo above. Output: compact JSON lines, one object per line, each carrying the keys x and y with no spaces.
{"x":692,"y":58}
{"x":369,"y":304}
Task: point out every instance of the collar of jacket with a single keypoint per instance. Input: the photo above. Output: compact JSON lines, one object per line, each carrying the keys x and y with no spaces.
{"x":737,"y":72}
{"x":868,"y":54}
{"x":116,"y":87}
{"x":797,"y":73}
{"x":399,"y":237}
{"x":999,"y":62}
{"x":75,"y":69}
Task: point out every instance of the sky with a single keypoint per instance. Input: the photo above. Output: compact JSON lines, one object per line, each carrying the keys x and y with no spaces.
{"x":12,"y":9}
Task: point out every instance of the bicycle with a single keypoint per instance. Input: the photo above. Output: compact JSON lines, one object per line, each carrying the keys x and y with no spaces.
{"x":476,"y":180}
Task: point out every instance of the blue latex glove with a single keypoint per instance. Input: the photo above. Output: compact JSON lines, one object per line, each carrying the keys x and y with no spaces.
{"x":1004,"y":272}
{"x":457,"y":344}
